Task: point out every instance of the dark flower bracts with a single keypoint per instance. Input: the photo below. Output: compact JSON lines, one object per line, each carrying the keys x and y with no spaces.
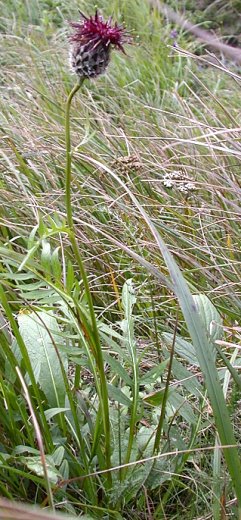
{"x":91,"y":44}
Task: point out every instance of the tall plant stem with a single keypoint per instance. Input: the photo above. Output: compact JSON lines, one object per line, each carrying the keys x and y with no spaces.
{"x":165,"y":396}
{"x":94,"y":336}
{"x":69,"y":157}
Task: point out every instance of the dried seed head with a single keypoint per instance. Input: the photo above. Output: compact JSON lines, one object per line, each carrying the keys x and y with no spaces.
{"x":91,"y":44}
{"x":180,"y":181}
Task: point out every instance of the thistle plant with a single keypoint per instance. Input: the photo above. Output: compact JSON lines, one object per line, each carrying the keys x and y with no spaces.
{"x":91,"y":44}
{"x":90,"y":50}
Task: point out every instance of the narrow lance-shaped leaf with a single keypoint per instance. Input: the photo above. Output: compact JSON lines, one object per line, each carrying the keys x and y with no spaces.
{"x":204,"y":352}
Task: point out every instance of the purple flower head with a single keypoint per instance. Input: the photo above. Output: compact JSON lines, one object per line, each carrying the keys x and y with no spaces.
{"x":91,"y":44}
{"x":174,"y":34}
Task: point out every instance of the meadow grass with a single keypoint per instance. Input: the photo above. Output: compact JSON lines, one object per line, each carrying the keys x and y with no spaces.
{"x":155,"y":197}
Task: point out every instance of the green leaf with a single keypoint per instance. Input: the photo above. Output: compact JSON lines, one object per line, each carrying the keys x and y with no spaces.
{"x":182,"y":347}
{"x":40,"y":334}
{"x":109,"y":331}
{"x":161,"y":472}
{"x":70,"y":277}
{"x":155,"y":398}
{"x":128,"y":301}
{"x":49,"y":414}
{"x":133,"y":482}
{"x":128,"y":297}
{"x":58,"y":456}
{"x":205,"y":355}
{"x":56,"y":265}
{"x":35,"y":464}
{"x":46,"y":256}
{"x":117,"y":395}
{"x":186,"y":379}
{"x":145,"y":440}
{"x":64,"y":469}
{"x":31,"y":238}
{"x":29,"y":255}
{"x":117,"y":368}
{"x":25,"y":449}
{"x":210,"y":317}
{"x":232,"y":370}
{"x":113,"y":345}
{"x":152,"y":375}
{"x":181,"y":407}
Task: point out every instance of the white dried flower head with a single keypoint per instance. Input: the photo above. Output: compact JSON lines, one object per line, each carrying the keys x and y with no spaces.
{"x":168,"y":183}
{"x":182,"y":188}
{"x":175,"y":175}
{"x":190,"y":186}
{"x":178,"y":180}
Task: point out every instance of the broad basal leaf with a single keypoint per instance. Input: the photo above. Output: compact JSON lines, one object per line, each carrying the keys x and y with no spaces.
{"x":40,"y":332}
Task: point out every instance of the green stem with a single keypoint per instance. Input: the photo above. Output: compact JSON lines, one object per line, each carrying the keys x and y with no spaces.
{"x":165,"y":397}
{"x":68,"y":156}
{"x":94,"y":337}
{"x":133,"y":418}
